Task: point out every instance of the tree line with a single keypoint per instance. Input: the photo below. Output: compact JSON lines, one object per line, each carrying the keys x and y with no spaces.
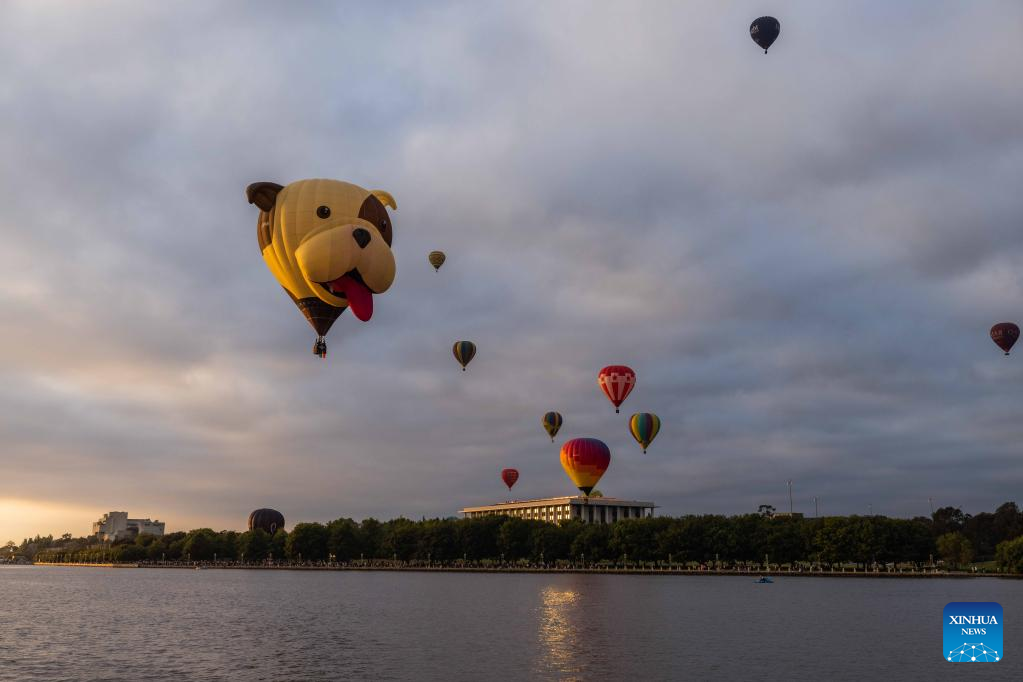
{"x":709,"y":540}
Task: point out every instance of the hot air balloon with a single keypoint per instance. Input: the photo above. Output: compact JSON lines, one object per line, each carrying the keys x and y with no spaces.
{"x":509,"y":476}
{"x":437,"y":259}
{"x":617,"y":382}
{"x":464,"y":352}
{"x":269,"y":520}
{"x":644,"y":427}
{"x":1004,"y":334}
{"x":551,"y":423}
{"x":764,"y":31}
{"x":328,"y":244}
{"x":585,"y":460}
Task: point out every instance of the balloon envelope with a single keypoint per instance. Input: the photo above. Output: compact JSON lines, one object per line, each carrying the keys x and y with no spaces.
{"x":617,"y":382}
{"x":585,"y":460}
{"x":269,"y":520}
{"x":464,"y":352}
{"x":328,"y":244}
{"x":437,"y":259}
{"x":1005,"y":334}
{"x":509,"y":476}
{"x":552,"y":423}
{"x":644,"y":427}
{"x":764,"y":31}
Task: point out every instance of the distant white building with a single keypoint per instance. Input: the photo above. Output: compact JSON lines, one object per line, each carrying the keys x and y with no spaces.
{"x":558,"y":509}
{"x":116,"y":525}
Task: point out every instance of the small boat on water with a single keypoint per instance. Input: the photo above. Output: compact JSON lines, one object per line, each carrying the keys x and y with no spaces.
{"x":763,"y":579}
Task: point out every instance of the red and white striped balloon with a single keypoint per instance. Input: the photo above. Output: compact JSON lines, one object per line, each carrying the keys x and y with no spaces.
{"x":617,"y":382}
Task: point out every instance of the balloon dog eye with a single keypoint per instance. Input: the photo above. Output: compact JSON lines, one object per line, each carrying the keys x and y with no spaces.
{"x":323,"y":212}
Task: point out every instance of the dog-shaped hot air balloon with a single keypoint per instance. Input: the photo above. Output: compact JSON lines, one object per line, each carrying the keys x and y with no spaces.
{"x":328,"y":243}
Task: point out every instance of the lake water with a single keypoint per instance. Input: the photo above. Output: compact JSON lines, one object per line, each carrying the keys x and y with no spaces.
{"x":162,"y":624}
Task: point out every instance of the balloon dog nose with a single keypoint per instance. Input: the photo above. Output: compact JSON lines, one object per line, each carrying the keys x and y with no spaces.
{"x":361,"y":237}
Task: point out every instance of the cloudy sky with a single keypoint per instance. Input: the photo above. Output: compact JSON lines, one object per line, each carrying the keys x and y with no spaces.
{"x":800,"y":254}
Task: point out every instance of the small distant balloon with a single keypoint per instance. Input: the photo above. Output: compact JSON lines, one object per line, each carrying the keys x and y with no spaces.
{"x":437,"y":259}
{"x":509,"y":476}
{"x":764,"y":31}
{"x":585,"y":460}
{"x":552,"y":423}
{"x":1005,"y":334}
{"x":464,"y":352}
{"x":617,"y":382}
{"x":644,"y":427}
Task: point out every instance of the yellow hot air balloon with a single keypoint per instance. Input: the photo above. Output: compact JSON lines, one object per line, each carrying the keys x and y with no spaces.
{"x":328,"y":243}
{"x":552,"y":422}
{"x":437,"y":259}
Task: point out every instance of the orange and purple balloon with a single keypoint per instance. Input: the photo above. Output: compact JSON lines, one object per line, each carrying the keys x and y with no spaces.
{"x":585,"y":460}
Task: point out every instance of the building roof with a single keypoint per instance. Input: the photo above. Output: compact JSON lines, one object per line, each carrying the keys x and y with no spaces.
{"x":568,"y":499}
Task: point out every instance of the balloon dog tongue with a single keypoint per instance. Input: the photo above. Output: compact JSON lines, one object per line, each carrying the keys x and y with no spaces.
{"x":360,"y":298}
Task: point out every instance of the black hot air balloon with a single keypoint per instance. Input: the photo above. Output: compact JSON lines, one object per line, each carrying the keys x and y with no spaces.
{"x":269,"y":520}
{"x":464,"y":352}
{"x":1004,"y":334}
{"x":764,"y":31}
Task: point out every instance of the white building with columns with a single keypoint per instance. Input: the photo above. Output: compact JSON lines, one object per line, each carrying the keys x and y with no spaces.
{"x":558,"y":509}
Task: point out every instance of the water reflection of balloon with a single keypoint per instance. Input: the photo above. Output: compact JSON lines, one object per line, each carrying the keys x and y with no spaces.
{"x":509,"y":476}
{"x":559,"y":632}
{"x":585,"y":460}
{"x":1005,"y":334}
{"x":617,"y":382}
{"x":552,"y":423}
{"x":644,"y":427}
{"x":464,"y":352}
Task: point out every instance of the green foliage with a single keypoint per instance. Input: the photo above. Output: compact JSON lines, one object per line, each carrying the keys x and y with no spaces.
{"x":400,"y":539}
{"x":955,"y":549}
{"x":592,"y":542}
{"x":513,"y":538}
{"x":253,"y":546}
{"x":1009,"y":555}
{"x":438,"y":541}
{"x":344,"y":540}
{"x":699,"y":539}
{"x":307,"y":542}
{"x":278,"y":542}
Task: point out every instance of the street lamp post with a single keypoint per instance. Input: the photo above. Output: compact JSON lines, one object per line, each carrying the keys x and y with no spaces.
{"x":790,"y":497}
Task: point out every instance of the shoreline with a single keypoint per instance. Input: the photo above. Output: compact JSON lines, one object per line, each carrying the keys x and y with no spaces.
{"x":600,"y":571}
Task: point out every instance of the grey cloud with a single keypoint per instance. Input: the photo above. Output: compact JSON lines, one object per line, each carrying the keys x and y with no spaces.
{"x":800,"y":254}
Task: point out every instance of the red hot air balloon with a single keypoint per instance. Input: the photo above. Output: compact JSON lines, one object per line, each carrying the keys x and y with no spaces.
{"x":1004,"y":334}
{"x":585,"y":460}
{"x":509,"y":476}
{"x":617,"y":382}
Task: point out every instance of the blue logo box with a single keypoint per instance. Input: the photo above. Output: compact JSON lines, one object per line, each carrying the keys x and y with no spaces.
{"x":972,"y":632}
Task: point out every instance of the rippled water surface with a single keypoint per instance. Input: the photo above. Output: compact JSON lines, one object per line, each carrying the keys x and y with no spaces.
{"x":165,"y":624}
